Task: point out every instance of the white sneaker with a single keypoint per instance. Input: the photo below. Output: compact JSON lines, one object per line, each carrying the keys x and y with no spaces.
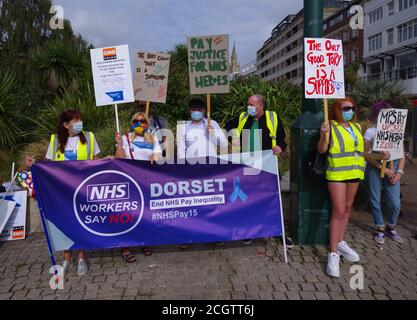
{"x":66,"y":266}
{"x":82,"y":268}
{"x":333,"y":269}
{"x":347,"y":252}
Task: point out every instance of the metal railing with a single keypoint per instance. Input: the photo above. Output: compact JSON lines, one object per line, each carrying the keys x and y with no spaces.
{"x":393,"y":75}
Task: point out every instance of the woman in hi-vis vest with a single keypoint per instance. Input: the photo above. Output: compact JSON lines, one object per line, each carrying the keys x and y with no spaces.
{"x":72,"y":143}
{"x":346,"y":168}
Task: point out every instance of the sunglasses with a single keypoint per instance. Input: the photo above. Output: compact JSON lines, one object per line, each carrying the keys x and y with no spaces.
{"x":346,"y":109}
{"x":139,"y":121}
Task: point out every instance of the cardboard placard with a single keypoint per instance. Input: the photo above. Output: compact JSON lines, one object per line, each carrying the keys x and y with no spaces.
{"x":112,"y":75}
{"x":208,"y":60}
{"x":151,"y":76}
{"x":324,"y":69}
{"x":390,"y":132}
{"x":15,"y":228}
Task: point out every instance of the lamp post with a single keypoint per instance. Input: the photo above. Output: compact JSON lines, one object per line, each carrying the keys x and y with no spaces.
{"x":310,"y":204}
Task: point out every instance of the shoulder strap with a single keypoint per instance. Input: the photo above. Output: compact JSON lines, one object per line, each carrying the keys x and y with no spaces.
{"x":130,"y":149}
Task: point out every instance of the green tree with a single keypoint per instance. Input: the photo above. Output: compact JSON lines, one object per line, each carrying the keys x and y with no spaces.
{"x":62,"y":65}
{"x":10,"y":133}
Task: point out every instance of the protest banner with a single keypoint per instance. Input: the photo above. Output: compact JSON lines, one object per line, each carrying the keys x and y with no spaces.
{"x":112,"y":77}
{"x":324,"y":71}
{"x":122,"y":203}
{"x":151,"y":77}
{"x":15,"y":227}
{"x":208,"y":61}
{"x":390,"y":134}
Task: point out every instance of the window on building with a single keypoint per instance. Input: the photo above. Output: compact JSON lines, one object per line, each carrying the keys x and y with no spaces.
{"x":407,"y":31}
{"x":355,"y":55}
{"x":375,"y":42}
{"x":375,"y":15}
{"x":391,"y":8}
{"x":346,"y":35}
{"x":390,"y":35}
{"x":405,"y":4}
{"x":375,"y":68}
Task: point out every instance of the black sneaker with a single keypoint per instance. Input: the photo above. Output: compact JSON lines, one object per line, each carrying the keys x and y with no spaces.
{"x":247,"y":241}
{"x":289,"y":242}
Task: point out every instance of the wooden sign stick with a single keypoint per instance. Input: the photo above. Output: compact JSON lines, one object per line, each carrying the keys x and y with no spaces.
{"x":326,"y":118}
{"x":148,"y":105}
{"x":392,"y":166}
{"x":383,"y":168}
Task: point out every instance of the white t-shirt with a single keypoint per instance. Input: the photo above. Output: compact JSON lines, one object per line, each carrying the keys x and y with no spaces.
{"x":141,"y":149}
{"x":71,"y":149}
{"x":194,"y":141}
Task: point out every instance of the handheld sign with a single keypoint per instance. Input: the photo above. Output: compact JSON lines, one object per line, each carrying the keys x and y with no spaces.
{"x":390,"y":134}
{"x":151,"y":76}
{"x":112,"y":76}
{"x":208,"y":62}
{"x":208,"y":59}
{"x":324,"y":73}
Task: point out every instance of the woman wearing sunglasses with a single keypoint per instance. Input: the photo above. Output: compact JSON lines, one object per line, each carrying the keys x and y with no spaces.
{"x":138,"y":144}
{"x":346,"y":168}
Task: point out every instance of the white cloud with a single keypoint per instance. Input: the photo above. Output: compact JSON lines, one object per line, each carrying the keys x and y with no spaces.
{"x":160,"y":24}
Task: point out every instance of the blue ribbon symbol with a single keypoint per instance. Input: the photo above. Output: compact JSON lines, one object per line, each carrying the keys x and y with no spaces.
{"x":237,"y":192}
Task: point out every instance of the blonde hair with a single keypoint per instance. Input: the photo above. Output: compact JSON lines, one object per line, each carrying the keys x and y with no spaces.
{"x":147,"y":136}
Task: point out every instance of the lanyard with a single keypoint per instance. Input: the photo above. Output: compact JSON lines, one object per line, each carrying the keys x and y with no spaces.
{"x":352,"y":133}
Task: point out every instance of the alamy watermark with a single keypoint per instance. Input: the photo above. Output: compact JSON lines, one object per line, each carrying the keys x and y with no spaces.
{"x":57,"y":20}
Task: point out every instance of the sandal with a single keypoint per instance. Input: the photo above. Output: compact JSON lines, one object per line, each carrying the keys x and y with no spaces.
{"x":147,"y":251}
{"x":128,"y":257}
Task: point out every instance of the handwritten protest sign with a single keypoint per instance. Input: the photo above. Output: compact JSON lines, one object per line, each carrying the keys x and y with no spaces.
{"x":151,"y":76}
{"x":208,"y":58}
{"x":390,"y":132}
{"x":324,"y":73}
{"x":112,"y":75}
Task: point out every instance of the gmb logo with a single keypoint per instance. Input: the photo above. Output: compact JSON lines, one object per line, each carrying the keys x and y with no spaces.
{"x":108,"y":204}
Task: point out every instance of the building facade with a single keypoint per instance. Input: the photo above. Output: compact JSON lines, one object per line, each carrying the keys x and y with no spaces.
{"x":281,"y":56}
{"x":390,"y":42}
{"x":338,"y":26}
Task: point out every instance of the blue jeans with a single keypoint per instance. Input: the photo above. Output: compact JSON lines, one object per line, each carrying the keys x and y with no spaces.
{"x":392,"y":196}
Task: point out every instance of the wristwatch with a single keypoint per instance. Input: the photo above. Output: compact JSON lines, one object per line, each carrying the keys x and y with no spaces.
{"x":401,"y":172}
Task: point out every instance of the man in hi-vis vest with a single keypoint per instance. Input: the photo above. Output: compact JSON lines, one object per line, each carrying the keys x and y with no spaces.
{"x":258,"y":129}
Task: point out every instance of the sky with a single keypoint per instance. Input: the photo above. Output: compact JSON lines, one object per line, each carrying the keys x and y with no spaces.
{"x":157,"y":25}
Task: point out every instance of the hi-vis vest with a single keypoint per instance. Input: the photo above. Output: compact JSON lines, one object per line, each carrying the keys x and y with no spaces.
{"x":346,"y":162}
{"x":84,"y":151}
{"x":271,"y":123}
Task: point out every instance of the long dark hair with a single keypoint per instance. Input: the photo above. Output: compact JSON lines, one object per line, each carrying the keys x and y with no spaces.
{"x":63,"y":134}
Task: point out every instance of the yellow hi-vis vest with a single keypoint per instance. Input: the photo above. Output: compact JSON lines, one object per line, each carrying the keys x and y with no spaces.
{"x":346,"y":162}
{"x":84,"y":151}
{"x":271,"y":123}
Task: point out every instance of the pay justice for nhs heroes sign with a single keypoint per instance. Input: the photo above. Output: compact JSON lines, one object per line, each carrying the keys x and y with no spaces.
{"x":208,"y":58}
{"x":112,"y":75}
{"x":324,"y":73}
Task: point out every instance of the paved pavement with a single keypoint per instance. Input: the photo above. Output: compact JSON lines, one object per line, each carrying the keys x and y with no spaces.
{"x":234,"y":271}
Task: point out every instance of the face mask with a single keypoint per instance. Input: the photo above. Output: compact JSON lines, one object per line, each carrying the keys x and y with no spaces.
{"x":348,"y":115}
{"x":197,"y":115}
{"x":139,"y":128}
{"x":252,"y":111}
{"x":77,"y":127}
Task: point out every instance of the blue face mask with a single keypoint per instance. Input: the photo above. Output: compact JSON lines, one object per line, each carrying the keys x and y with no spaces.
{"x":348,"y":115}
{"x":252,"y":111}
{"x":77,"y":127}
{"x":197,"y":115}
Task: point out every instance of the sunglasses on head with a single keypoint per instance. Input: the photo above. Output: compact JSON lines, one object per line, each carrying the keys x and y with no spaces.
{"x":345,"y":109}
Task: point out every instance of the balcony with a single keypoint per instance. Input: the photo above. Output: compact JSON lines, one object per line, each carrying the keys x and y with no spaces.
{"x":393,"y":75}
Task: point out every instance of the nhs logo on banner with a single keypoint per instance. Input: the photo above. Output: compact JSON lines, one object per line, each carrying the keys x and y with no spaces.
{"x":116,"y":96}
{"x":109,"y":204}
{"x":108,"y":192}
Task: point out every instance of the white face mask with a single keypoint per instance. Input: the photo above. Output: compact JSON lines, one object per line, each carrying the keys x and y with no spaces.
{"x":252,"y":111}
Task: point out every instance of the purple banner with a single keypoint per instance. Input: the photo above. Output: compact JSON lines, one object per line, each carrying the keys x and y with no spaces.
{"x":117,"y":203}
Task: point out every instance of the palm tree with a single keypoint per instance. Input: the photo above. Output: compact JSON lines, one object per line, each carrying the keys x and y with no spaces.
{"x":61,"y":65}
{"x":366,"y":93}
{"x":8,"y":99}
